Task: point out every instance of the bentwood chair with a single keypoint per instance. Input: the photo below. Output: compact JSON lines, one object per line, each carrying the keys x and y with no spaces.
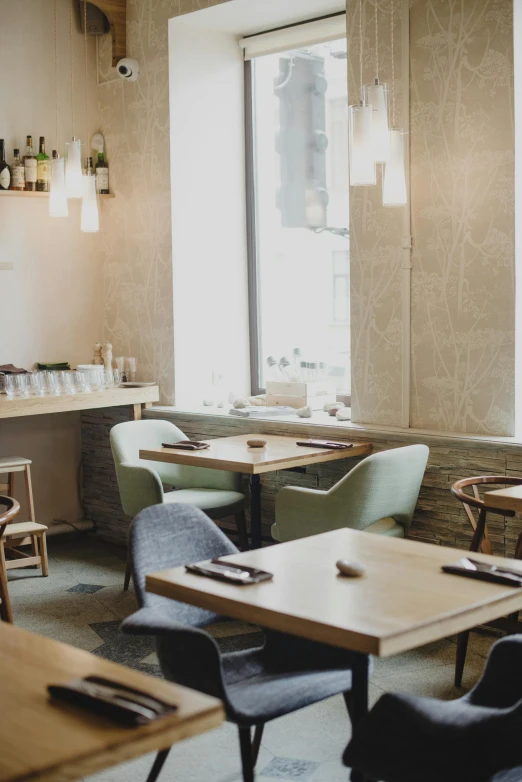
{"x":255,"y":685}
{"x":407,"y":738}
{"x":379,"y":496}
{"x":9,"y":508}
{"x":482,"y":542}
{"x":141,"y":482}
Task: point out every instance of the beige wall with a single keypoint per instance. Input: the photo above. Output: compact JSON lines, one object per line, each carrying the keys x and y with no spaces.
{"x":52,"y":302}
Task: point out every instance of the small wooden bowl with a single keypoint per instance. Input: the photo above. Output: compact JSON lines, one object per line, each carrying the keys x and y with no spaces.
{"x":256,"y":442}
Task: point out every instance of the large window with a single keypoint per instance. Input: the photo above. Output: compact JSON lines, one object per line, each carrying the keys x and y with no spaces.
{"x":299,"y":264}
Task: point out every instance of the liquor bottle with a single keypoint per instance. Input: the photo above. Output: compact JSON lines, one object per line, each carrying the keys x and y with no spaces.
{"x":102,"y":175}
{"x":89,"y":168}
{"x":5,"y":171}
{"x":17,"y":172}
{"x":43,"y":169}
{"x":30,"y":166}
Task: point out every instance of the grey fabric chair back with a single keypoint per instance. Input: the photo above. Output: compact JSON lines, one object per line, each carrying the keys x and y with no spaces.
{"x":166,"y":536}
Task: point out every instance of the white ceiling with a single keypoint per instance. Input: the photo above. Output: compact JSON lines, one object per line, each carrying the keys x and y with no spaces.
{"x":245,"y":17}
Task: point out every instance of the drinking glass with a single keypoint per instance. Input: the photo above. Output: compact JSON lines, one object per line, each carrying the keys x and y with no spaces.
{"x":34,"y":384}
{"x":80,"y":382}
{"x":16,"y":385}
{"x":50,"y":382}
{"x":66,"y":382}
{"x":116,"y":377}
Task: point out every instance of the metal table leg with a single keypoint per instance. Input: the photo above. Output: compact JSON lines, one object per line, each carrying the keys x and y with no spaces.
{"x":359,"y":699}
{"x":255,"y":510}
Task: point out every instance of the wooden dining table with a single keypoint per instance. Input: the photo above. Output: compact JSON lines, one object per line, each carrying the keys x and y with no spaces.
{"x":402,"y":601}
{"x":43,"y":741}
{"x":234,"y":455}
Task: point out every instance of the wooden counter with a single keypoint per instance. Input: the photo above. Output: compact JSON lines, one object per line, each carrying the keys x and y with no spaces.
{"x":64,"y":403}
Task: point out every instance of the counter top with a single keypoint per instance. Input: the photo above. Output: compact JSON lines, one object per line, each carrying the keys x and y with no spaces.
{"x":40,"y":405}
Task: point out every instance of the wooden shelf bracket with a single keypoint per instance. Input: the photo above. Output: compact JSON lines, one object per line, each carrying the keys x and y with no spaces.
{"x":116,"y":13}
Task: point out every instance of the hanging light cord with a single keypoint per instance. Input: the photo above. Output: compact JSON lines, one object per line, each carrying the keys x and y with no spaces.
{"x":56,"y":70}
{"x":377,"y":40}
{"x":86,"y":72}
{"x":361,"y":47}
{"x":72,"y":70}
{"x":393,"y":60}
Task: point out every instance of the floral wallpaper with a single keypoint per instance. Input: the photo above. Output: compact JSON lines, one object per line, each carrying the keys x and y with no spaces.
{"x":462,"y":183}
{"x":375,"y":241}
{"x":137,"y":236}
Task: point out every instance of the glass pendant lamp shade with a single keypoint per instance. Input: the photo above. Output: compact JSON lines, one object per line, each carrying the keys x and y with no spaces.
{"x":362,"y":161}
{"x":394,"y":192}
{"x":376,"y":96}
{"x":90,"y":215}
{"x":58,"y":206}
{"x":73,"y":170}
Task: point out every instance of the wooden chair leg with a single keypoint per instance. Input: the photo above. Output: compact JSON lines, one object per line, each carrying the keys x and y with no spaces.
{"x":245,"y":744}
{"x":43,"y":554}
{"x":6,"y":614}
{"x":242,"y":532}
{"x":462,"y":648}
{"x":34,"y":549}
{"x":29,"y":493}
{"x":11,"y":484}
{"x":128,"y":573}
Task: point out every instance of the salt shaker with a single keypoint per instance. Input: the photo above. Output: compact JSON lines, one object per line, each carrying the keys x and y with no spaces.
{"x":106,"y":354}
{"x":97,"y":354}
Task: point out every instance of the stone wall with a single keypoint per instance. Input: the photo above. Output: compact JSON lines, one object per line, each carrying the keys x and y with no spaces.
{"x":439,"y":518}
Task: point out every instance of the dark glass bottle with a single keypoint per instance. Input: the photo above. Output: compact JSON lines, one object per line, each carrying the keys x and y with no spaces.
{"x":5,"y":171}
{"x":43,"y":169}
{"x":102,"y":175}
{"x":30,"y":166}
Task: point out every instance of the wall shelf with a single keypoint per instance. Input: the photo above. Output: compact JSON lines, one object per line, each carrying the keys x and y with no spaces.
{"x":34,"y":194}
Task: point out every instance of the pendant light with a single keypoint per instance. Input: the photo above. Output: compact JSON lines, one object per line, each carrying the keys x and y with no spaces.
{"x":394,"y":189}
{"x":360,"y":128}
{"x":73,"y":170}
{"x":57,"y":194}
{"x":90,"y":222}
{"x":376,"y":96}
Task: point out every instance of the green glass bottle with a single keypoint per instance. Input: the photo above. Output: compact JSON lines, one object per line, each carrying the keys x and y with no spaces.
{"x":102,"y":175}
{"x":43,"y":169}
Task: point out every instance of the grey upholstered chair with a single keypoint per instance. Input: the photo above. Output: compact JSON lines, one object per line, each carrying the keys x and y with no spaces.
{"x":256,"y":685}
{"x":406,"y":738}
{"x":379,"y":496}
{"x":140,"y":482}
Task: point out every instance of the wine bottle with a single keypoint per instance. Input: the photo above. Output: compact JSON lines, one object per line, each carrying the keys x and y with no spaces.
{"x":30,"y":166}
{"x":17,"y":172}
{"x":89,"y":170}
{"x":43,"y":169}
{"x":5,"y":171}
{"x":102,"y":175}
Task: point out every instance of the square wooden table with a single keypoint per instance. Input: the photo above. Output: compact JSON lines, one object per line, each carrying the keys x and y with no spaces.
{"x":234,"y":455}
{"x":402,"y":601}
{"x":46,"y":742}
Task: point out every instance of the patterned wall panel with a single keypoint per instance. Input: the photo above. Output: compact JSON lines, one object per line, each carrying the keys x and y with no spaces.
{"x":137,"y":235}
{"x":375,"y":244}
{"x":462,"y":144}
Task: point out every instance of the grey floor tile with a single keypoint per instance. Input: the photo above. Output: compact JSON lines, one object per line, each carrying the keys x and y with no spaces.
{"x":289,"y":768}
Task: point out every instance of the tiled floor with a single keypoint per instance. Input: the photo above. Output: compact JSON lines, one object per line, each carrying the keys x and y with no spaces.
{"x":82,"y":603}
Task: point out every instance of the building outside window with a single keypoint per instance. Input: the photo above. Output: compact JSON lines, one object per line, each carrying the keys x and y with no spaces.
{"x":299,"y":207}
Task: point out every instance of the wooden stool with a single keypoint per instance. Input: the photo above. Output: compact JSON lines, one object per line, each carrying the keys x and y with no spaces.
{"x":26,"y":532}
{"x":11,"y":508}
{"x":482,"y":542}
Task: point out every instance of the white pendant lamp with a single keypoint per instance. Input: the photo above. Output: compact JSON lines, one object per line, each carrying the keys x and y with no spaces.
{"x":362,"y":161}
{"x":360,"y":132}
{"x":376,"y":96}
{"x":90,"y":215}
{"x":73,"y":169}
{"x":394,"y":192}
{"x":58,"y":206}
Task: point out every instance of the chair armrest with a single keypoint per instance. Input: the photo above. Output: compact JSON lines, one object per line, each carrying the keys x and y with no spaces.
{"x":140,"y":487}
{"x":500,"y":685}
{"x":299,"y":512}
{"x":149,"y":621}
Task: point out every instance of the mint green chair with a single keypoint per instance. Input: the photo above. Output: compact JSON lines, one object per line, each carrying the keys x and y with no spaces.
{"x":141,"y":482}
{"x":379,"y":495}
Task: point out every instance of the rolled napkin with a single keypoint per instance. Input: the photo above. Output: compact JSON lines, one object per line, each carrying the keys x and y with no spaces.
{"x":10,"y":369}
{"x":62,"y":366}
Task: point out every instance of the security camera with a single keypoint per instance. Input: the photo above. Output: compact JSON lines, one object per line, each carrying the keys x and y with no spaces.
{"x":128,"y":69}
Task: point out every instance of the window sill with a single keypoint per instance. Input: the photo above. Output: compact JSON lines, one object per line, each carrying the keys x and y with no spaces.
{"x":321,"y":420}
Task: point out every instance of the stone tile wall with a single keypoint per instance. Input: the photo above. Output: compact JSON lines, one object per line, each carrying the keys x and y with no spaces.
{"x":439,"y":518}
